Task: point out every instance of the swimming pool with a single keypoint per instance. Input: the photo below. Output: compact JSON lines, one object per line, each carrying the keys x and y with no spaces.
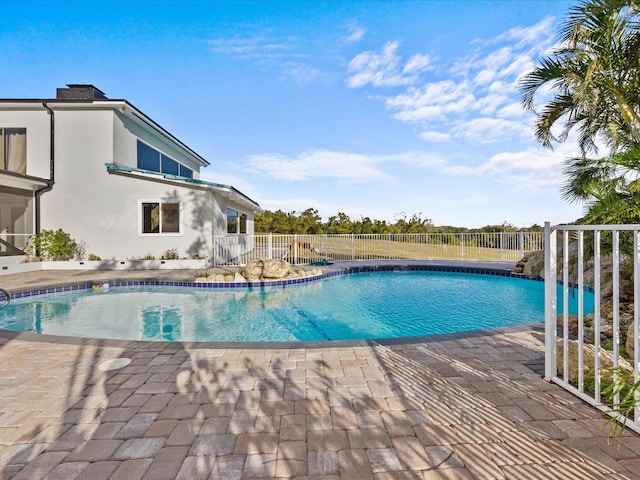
{"x":365,"y":305}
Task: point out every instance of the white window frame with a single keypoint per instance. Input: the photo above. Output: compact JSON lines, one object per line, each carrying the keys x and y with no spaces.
{"x":160,"y":233}
{"x":239,"y":216}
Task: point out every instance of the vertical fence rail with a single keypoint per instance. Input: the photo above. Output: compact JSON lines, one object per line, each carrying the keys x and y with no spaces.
{"x":592,"y":310}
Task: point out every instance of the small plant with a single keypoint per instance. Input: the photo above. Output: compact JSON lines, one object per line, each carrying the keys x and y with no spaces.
{"x":93,"y":258}
{"x":171,"y":254}
{"x":56,"y":245}
{"x":623,"y":394}
{"x":149,"y":256}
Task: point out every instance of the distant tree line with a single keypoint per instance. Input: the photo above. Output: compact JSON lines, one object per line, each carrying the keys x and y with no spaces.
{"x":309,"y":222}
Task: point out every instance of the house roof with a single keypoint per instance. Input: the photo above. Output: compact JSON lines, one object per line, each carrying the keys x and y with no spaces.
{"x":89,"y":96}
{"x":225,"y":190}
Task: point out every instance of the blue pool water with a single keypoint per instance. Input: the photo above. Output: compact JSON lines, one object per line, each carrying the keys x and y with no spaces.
{"x":345,"y":307}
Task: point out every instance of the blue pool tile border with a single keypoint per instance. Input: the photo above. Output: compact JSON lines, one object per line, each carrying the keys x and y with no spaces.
{"x":336,"y":270}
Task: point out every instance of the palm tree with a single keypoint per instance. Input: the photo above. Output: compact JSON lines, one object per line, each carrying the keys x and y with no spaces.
{"x":594,"y":78}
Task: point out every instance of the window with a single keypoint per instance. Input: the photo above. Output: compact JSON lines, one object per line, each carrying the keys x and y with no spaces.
{"x":13,"y":150}
{"x":159,"y":217}
{"x":186,"y":172}
{"x":169,"y":166}
{"x":154,"y":161}
{"x":236,"y":221}
{"x":148,"y":158}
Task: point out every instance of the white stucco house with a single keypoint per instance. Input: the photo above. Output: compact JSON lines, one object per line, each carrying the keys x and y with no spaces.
{"x":111,"y":177}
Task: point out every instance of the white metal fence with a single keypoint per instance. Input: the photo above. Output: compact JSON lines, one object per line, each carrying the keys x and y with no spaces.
{"x":592,"y":300}
{"x":307,"y":249}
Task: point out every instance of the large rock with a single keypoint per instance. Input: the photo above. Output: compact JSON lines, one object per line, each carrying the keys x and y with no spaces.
{"x":262,"y":268}
{"x":629,"y":345}
{"x":534,"y":267}
{"x":606,"y":359}
{"x":253,"y":270}
{"x":276,"y":269}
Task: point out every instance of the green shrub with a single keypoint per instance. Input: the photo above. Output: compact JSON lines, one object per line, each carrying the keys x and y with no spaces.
{"x":171,"y":254}
{"x":93,"y":258}
{"x":621,"y":392}
{"x":56,"y":245}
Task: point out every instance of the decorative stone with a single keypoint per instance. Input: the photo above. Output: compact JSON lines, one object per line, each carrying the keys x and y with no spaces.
{"x":253,"y":270}
{"x":275,"y":269}
{"x":606,"y":359}
{"x":629,"y":345}
{"x":257,"y":270}
{"x":534,"y":266}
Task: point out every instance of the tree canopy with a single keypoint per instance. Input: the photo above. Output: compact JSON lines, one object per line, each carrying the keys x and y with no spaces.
{"x":309,"y":222}
{"x":594,"y":81}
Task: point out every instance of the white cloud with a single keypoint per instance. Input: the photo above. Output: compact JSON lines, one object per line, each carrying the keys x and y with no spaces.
{"x":514,"y":111}
{"x":384,"y":69}
{"x":301,"y":73}
{"x":417,"y":159}
{"x":350,"y":167}
{"x":489,"y":130}
{"x":356,"y":33}
{"x":540,"y":35}
{"x":478,"y":101}
{"x":417,"y":63}
{"x":431,"y":101}
{"x":251,"y":48}
{"x":436,"y":137}
{"x":267,"y":52}
{"x":531,"y":168}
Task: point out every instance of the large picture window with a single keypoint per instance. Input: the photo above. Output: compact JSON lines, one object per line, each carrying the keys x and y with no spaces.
{"x":154,"y":161}
{"x":236,"y":221}
{"x":159,"y":217}
{"x":13,"y":150}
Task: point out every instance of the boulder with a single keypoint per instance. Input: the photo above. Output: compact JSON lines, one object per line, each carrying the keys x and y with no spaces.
{"x":606,"y":359}
{"x":534,"y":266}
{"x":275,"y":269}
{"x":268,"y":269}
{"x":629,"y":345}
{"x":253,"y":270}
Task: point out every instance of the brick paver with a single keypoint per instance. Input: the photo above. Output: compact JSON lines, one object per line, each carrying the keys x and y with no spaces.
{"x":458,"y":407}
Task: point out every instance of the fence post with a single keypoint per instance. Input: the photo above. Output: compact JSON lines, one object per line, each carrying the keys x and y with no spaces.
{"x":501,"y":244}
{"x":295,"y":249}
{"x":521,"y":241}
{"x":426,"y":248}
{"x":270,"y":246}
{"x":636,"y":323}
{"x":462,"y":246}
{"x":353,"y":247}
{"x":389,"y":246}
{"x":326,"y":242}
{"x":550,"y":301}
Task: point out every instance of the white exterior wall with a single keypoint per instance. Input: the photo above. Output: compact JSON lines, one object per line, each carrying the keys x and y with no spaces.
{"x":36,"y":120}
{"x":103,"y":210}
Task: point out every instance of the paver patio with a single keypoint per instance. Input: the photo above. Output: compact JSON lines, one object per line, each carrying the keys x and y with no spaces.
{"x":465,"y":406}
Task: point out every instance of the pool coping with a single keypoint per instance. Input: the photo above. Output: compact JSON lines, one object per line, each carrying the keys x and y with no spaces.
{"x":330,"y":270}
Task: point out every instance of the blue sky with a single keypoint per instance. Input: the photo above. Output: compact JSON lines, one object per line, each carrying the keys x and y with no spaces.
{"x":372,"y":108}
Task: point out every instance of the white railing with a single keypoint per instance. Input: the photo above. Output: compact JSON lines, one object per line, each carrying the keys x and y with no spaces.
{"x":597,"y":268}
{"x":14,"y":243}
{"x":307,"y":249}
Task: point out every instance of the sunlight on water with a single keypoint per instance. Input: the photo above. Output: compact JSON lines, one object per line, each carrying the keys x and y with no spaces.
{"x":355,"y":306}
